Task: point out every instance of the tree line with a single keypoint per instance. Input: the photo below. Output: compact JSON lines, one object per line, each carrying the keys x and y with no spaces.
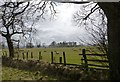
{"x":63,"y":44}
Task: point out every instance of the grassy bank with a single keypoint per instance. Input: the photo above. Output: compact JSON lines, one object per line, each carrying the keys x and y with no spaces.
{"x":9,"y":73}
{"x":39,"y":70}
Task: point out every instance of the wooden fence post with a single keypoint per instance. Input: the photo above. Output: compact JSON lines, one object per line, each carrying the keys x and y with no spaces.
{"x":60,"y":60}
{"x":23,"y":55}
{"x":27,"y":55}
{"x":17,"y":56}
{"x":52,"y":59}
{"x":85,"y":59}
{"x":31,"y":55}
{"x":64,"y":58}
{"x":40,"y":56}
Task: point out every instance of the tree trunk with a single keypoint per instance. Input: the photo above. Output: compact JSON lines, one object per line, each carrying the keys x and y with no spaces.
{"x":112,"y":12}
{"x":10,"y":46}
{"x":114,"y":45}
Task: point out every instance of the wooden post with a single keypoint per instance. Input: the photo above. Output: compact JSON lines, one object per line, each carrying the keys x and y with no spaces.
{"x":27,"y":55}
{"x":52,"y":59}
{"x":17,"y":56}
{"x":23,"y":55}
{"x":40,"y":56}
{"x":60,"y":60}
{"x":31,"y":55}
{"x":64,"y":58}
{"x":6,"y":53}
{"x":85,"y":59}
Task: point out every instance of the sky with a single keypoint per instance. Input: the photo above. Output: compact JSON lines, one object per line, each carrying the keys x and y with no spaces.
{"x":61,"y":28}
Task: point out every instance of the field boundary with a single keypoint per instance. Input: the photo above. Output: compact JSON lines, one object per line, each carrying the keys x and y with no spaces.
{"x":28,"y":55}
{"x":86,"y":61}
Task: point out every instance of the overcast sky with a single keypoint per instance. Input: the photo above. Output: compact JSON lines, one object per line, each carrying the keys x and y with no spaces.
{"x":61,"y":28}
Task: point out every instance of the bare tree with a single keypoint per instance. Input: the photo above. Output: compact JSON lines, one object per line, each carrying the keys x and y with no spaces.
{"x":12,"y":22}
{"x":96,"y":27}
{"x":14,"y":16}
{"x":111,"y":10}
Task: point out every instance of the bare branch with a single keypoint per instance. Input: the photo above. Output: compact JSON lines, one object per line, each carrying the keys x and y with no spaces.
{"x":22,"y":10}
{"x":16,"y":33}
{"x":97,"y":31}
{"x":92,"y":11}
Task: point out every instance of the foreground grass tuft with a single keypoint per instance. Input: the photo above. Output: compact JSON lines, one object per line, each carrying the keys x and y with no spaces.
{"x":39,"y":70}
{"x":9,"y":73}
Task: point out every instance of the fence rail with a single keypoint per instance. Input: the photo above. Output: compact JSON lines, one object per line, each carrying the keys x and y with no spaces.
{"x":62,"y":59}
{"x":94,"y":54}
{"x":87,"y":60}
{"x":95,"y":60}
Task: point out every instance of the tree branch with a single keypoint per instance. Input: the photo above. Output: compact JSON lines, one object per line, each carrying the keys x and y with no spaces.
{"x":4,"y":35}
{"x":16,"y":33}
{"x":22,"y":10}
{"x":92,"y":11}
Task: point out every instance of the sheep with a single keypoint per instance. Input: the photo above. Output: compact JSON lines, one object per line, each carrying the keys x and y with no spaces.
{"x":56,"y":52}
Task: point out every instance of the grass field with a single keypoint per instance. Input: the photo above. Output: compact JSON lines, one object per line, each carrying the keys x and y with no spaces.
{"x":9,"y":73}
{"x":72,"y":57}
{"x":72,"y":54}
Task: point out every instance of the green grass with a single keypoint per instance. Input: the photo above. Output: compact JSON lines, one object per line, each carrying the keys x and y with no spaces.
{"x":72,"y":54}
{"x":9,"y":73}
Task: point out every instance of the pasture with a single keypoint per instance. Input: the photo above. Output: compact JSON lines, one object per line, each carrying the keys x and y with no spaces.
{"x":72,"y":57}
{"x":72,"y":54}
